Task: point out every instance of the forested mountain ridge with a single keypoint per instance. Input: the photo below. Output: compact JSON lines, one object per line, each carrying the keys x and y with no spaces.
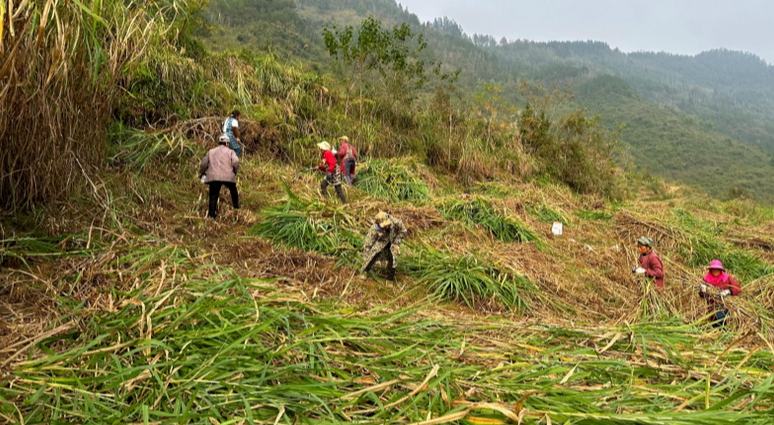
{"x":704,"y":120}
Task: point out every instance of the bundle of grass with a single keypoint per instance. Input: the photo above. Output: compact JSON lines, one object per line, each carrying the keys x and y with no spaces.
{"x":653,"y":303}
{"x":18,"y":250}
{"x":311,"y":226}
{"x":468,"y":280}
{"x":594,"y":215}
{"x":393,"y":180}
{"x":546,"y":214}
{"x":480,"y":212}
{"x":136,"y":148}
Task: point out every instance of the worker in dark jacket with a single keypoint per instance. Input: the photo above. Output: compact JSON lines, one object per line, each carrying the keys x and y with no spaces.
{"x":650,"y":264}
{"x":382,"y":243}
{"x":716,"y":285}
{"x":219,"y":168}
{"x":330,"y":167}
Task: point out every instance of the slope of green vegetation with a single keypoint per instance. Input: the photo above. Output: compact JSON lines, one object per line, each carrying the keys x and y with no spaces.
{"x":703,"y":120}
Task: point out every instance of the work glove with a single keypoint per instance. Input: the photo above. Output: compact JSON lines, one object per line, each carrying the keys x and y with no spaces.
{"x":703,"y":288}
{"x":639,"y":270}
{"x":725,"y":292}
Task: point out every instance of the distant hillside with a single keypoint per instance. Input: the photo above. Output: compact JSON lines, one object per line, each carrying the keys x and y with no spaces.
{"x":705,"y":120}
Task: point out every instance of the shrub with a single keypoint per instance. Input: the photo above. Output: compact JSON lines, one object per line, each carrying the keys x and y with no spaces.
{"x":575,"y":150}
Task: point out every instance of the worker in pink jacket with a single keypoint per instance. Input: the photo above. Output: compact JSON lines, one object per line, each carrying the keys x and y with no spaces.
{"x":715,"y":286}
{"x":650,"y":264}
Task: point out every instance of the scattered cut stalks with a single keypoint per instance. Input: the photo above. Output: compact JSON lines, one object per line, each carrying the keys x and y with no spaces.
{"x":230,"y":349}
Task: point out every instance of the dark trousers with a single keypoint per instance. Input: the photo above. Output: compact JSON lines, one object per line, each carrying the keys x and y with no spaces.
{"x":333,"y":179}
{"x":385,"y":254}
{"x":212,"y":211}
{"x":349,"y":171}
{"x":719,"y":318}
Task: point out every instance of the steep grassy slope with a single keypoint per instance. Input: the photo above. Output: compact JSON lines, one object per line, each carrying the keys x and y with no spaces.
{"x":123,"y":304}
{"x":140,"y":310}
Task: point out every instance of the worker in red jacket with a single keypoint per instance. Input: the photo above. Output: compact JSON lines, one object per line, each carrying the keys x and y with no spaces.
{"x":347,"y":156}
{"x":330,"y":167}
{"x":650,"y":263}
{"x":716,"y":285}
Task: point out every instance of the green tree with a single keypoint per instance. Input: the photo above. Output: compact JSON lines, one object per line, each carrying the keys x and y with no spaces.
{"x":372,"y":57}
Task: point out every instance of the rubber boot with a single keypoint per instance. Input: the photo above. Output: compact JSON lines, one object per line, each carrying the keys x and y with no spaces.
{"x":391,"y":274}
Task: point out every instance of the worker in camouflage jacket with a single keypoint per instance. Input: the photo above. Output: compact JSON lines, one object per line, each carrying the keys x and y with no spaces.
{"x":382,"y":243}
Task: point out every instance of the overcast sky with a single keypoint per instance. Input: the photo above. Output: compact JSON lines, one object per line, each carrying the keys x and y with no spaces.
{"x":676,"y":26}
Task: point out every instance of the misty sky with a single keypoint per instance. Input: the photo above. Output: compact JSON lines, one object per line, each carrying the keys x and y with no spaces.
{"x":676,"y":26}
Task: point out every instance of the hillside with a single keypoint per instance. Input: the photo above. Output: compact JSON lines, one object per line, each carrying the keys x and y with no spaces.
{"x":703,"y":120}
{"x":120,"y":302}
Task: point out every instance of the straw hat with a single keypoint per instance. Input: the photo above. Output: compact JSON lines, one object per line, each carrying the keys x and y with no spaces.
{"x":716,"y":265}
{"x":223,"y":139}
{"x":324,"y":145}
{"x":383,"y":220}
{"x":344,"y":138}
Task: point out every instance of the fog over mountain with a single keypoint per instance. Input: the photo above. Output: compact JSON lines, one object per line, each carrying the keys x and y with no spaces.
{"x":684,"y":27}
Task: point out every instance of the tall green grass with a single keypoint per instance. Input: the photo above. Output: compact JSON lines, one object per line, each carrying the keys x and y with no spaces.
{"x":480,"y":212}
{"x":24,"y":249}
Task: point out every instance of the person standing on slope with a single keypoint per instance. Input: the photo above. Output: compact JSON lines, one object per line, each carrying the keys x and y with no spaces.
{"x":716,"y":285}
{"x":219,"y":168}
{"x":231,"y":129}
{"x":347,"y":156}
{"x":650,"y":264}
{"x":330,"y":167}
{"x":382,"y":243}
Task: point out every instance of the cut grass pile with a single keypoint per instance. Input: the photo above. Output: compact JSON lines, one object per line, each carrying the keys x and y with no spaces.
{"x":136,"y":149}
{"x":480,"y":212}
{"x":467,"y":279}
{"x":311,"y":226}
{"x":547,"y":214}
{"x":594,"y":215}
{"x":394,"y":180}
{"x":229,"y":350}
